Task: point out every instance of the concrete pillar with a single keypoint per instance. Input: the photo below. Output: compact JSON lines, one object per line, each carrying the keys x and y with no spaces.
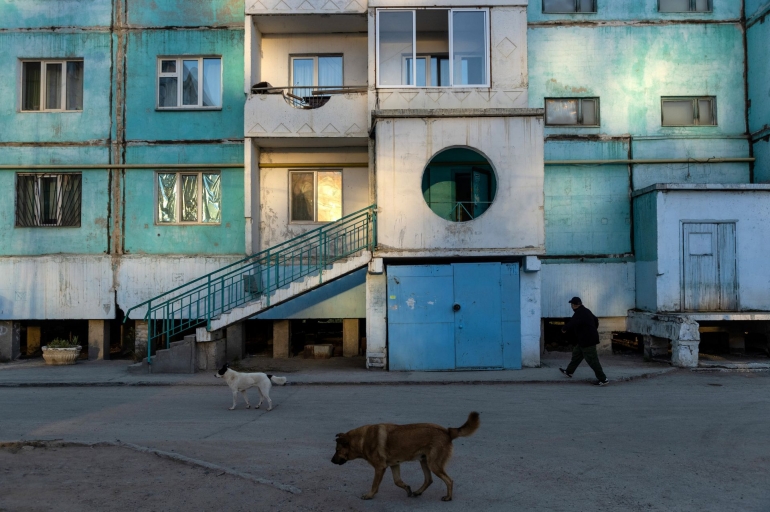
{"x":140,"y":338}
{"x":33,"y":339}
{"x":98,"y":339}
{"x":655,"y":347}
{"x":281,"y":338}
{"x":10,"y":339}
{"x":349,"y":337}
{"x":737,"y":340}
{"x":376,"y":315}
{"x":210,"y":355}
{"x":606,"y":327}
{"x":236,"y":341}
{"x":531,"y":312}
{"x":684,"y":353}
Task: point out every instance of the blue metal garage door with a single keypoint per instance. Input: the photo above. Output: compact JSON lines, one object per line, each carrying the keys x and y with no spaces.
{"x":459,"y":316}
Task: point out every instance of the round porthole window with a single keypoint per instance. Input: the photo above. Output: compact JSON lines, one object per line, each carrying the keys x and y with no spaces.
{"x":459,"y":184}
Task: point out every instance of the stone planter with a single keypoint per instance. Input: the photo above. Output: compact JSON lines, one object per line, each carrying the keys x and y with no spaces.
{"x":57,"y":356}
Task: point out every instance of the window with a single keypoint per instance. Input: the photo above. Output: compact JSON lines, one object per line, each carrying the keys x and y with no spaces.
{"x":459,"y":184}
{"x":315,"y":196}
{"x":684,"y":5}
{"x":572,"y":111}
{"x":180,"y":80}
{"x":321,"y":71}
{"x":568,"y":6}
{"x":689,"y":111}
{"x":51,"y":85}
{"x":189,"y":198}
{"x":432,"y":48}
{"x":48,"y":200}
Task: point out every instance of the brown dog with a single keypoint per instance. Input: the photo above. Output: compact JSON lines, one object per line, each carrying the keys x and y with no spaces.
{"x":386,"y":445}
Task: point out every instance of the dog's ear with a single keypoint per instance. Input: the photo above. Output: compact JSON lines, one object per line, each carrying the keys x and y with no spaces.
{"x":342,"y":439}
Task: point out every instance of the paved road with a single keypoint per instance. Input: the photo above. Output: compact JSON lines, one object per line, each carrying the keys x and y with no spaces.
{"x":682,"y":441}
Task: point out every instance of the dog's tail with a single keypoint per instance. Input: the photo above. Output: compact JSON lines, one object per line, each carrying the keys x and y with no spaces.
{"x":277,"y":380}
{"x":470,"y":426}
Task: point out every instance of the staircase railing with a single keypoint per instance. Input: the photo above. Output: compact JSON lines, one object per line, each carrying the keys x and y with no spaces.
{"x":196,"y":303}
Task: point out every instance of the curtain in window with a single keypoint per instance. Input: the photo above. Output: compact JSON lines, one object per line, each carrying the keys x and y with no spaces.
{"x":75,"y":85}
{"x":30,"y":77}
{"x":302,"y":75}
{"x":330,"y":71}
{"x":212,"y":83}
{"x":469,"y":47}
{"x":302,"y":196}
{"x":189,"y":198}
{"x":167,"y":92}
{"x":212,"y":198}
{"x":189,"y":82}
{"x":166,"y":197}
{"x":53,"y":82}
{"x":329,"y":196}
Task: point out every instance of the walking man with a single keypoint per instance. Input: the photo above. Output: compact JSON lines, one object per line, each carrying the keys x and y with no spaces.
{"x":583,"y":325}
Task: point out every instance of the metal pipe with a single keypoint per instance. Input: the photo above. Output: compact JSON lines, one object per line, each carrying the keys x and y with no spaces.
{"x":57,"y":167}
{"x":652,"y":161}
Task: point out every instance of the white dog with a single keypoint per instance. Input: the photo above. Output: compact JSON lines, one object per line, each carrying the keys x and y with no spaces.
{"x":243,"y":381}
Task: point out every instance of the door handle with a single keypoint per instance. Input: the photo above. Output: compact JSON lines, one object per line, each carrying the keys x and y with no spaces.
{"x":456,"y":308}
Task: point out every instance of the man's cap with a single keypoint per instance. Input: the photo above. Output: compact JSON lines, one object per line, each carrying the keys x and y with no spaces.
{"x":576,"y":301}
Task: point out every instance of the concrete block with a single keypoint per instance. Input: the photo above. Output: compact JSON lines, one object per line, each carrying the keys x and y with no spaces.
{"x":376,"y":266}
{"x":211,"y":355}
{"x":655,"y":347}
{"x":33,"y":339}
{"x":201,"y":334}
{"x":141,"y":330}
{"x":684,"y":353}
{"x":281,"y":338}
{"x":606,"y":327}
{"x":323,"y":351}
{"x":98,"y":339}
{"x":10,"y":339}
{"x":349,"y":337}
{"x":180,"y":357}
{"x":531,"y":264}
{"x":236,"y":341}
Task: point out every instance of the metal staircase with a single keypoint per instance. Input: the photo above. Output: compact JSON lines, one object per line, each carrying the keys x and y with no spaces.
{"x":257,"y":282}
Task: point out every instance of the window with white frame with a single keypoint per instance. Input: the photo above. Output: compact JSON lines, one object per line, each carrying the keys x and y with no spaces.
{"x":568,"y":6}
{"x":684,"y":5}
{"x":572,"y":111}
{"x":189,"y":82}
{"x":315,"y":71}
{"x":432,"y":48}
{"x":315,"y":196}
{"x":689,"y":111}
{"x":51,"y":85}
{"x":48,"y":200}
{"x":189,"y":197}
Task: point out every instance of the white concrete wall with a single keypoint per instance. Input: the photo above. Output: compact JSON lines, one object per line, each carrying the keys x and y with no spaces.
{"x":514,"y":222}
{"x":607,"y":289}
{"x":530,"y":290}
{"x":56,"y":287}
{"x":508,"y":66}
{"x":304,"y":7}
{"x":749,"y":209}
{"x":274,"y":189}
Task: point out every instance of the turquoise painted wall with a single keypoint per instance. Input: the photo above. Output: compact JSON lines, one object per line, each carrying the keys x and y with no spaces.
{"x":758,"y":41}
{"x":60,"y":13}
{"x":144,"y":122}
{"x":92,"y":124}
{"x":143,"y":235}
{"x":587,"y":208}
{"x":185,"y":13}
{"x":755,"y":7}
{"x":630,"y":10}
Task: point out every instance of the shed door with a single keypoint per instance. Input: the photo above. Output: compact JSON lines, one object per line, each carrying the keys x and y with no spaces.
{"x":709,"y":268}
{"x":478,"y":329}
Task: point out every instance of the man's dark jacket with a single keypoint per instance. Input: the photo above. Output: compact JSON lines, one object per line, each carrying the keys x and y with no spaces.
{"x":583,"y":325}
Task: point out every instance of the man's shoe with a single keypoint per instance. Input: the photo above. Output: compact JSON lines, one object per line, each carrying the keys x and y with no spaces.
{"x":601,"y":382}
{"x":565,"y":372}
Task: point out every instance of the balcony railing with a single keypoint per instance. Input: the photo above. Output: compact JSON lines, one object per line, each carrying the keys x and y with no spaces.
{"x":305,"y":97}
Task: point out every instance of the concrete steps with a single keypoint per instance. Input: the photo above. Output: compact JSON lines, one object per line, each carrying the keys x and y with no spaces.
{"x":180,"y":357}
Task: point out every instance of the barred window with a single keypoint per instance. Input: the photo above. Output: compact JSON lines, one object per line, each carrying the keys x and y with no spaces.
{"x":189,"y":198}
{"x":48,"y":200}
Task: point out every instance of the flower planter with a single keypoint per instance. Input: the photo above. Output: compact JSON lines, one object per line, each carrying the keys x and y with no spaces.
{"x":57,"y":356}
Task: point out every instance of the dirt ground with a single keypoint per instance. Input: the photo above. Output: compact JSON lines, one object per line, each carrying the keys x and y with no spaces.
{"x":105,"y":478}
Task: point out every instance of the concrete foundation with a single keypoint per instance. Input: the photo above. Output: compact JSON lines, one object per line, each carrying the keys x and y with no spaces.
{"x":33,"y":339}
{"x":281,"y":338}
{"x":350,"y":337}
{"x":376,"y":320}
{"x":140,"y":337}
{"x":606,"y":327}
{"x":211,"y":355}
{"x":10,"y":338}
{"x":681,"y":330}
{"x":98,"y":339}
{"x":236,"y":341}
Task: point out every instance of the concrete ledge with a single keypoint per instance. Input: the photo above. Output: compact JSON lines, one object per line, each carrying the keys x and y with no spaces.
{"x":459,"y":112}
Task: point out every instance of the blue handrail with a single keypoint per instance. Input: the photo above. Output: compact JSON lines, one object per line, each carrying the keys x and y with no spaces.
{"x":196,"y":303}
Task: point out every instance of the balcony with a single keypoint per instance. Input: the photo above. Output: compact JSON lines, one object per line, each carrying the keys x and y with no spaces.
{"x":283,"y":116}
{"x":304,"y":7}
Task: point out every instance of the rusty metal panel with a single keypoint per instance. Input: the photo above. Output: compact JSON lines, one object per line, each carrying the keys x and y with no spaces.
{"x":708,"y":261}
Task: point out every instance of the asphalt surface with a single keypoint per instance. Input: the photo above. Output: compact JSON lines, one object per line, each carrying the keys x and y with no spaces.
{"x":680,"y":441}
